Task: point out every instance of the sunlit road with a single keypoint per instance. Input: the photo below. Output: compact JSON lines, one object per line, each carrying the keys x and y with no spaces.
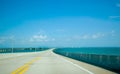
{"x":45,"y":62}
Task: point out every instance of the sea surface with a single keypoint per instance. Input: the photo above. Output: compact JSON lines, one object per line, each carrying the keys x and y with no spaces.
{"x":105,"y":57}
{"x":93,"y":50}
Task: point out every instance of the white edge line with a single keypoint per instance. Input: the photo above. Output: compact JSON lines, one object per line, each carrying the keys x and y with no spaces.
{"x":77,"y":65}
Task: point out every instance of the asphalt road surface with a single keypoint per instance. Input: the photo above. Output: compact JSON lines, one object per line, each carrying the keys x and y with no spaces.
{"x":44,"y":62}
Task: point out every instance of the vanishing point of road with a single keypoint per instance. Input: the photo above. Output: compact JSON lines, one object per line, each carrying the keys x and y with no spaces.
{"x":45,"y":62}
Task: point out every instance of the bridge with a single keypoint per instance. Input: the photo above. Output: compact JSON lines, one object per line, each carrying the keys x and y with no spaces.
{"x":45,"y":62}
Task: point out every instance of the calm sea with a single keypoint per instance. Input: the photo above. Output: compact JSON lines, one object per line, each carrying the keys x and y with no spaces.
{"x":94,"y":50}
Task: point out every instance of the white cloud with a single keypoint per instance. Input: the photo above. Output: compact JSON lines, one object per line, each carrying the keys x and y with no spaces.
{"x":89,"y":36}
{"x":41,"y":38}
{"x":98,"y":35}
{"x":94,"y":36}
{"x":6,"y":38}
{"x":85,"y":37}
{"x":79,"y":37}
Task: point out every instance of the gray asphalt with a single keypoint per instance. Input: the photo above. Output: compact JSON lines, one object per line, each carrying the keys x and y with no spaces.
{"x":48,"y":63}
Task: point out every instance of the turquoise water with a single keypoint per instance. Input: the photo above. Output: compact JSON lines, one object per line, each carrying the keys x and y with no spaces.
{"x":93,"y":50}
{"x":105,"y":57}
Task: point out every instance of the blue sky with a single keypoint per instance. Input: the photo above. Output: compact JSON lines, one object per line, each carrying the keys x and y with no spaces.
{"x":59,"y":23}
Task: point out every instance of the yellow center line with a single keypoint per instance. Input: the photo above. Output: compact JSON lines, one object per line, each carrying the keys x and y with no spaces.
{"x":24,"y":70}
{"x":25,"y":67}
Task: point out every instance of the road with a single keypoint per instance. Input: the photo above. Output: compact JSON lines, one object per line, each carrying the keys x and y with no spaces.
{"x":45,"y":62}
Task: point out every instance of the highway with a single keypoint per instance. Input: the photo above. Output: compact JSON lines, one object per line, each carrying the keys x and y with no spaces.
{"x":46,"y":62}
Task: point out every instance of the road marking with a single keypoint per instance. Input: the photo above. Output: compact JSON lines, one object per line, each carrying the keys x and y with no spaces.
{"x":25,"y":67}
{"x":76,"y":65}
{"x":79,"y":66}
{"x":24,"y":70}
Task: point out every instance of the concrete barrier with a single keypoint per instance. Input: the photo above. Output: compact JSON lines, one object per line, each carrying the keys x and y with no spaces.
{"x":110,"y":62}
{"x":17,"y":50}
{"x":9,"y":52}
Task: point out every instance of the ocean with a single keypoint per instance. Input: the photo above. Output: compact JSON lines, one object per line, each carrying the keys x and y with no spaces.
{"x":105,"y":57}
{"x":93,"y":50}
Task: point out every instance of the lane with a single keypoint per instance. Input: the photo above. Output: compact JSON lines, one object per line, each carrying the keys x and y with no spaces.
{"x":52,"y":64}
{"x":25,"y":67}
{"x":8,"y":65}
{"x":45,"y":62}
